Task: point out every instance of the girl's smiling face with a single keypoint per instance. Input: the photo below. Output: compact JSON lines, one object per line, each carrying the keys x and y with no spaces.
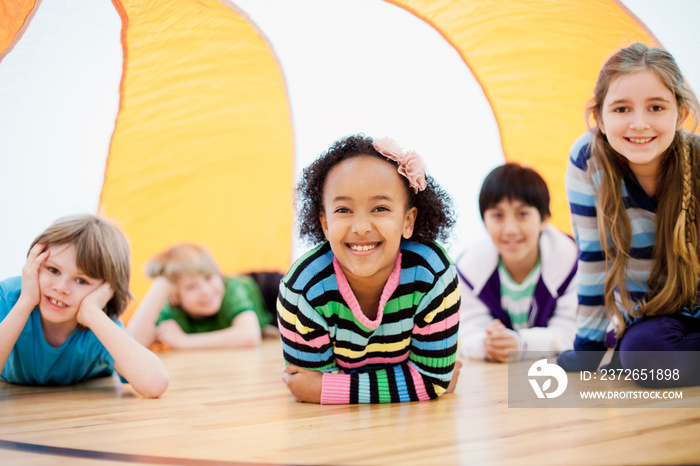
{"x":640,"y":117}
{"x":365,"y":215}
{"x":62,"y":287}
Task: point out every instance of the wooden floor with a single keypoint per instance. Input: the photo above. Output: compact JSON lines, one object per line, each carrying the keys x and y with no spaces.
{"x":230,"y":407}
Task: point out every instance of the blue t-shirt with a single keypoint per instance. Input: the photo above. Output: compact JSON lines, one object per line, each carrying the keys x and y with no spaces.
{"x":33,"y":361}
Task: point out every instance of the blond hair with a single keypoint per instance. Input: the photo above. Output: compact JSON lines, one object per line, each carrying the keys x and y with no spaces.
{"x":102,"y":252}
{"x":674,"y":276}
{"x":182,"y":259}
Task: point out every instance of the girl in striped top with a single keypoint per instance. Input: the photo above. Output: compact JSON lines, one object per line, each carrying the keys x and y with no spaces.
{"x":632,"y":184}
{"x":371,"y":314}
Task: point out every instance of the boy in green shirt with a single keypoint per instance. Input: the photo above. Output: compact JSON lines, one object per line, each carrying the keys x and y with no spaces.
{"x":190,"y":304}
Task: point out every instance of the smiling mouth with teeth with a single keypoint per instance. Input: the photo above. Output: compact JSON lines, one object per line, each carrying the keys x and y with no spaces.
{"x":57,"y":303}
{"x":363,"y":247}
{"x":639,"y":140}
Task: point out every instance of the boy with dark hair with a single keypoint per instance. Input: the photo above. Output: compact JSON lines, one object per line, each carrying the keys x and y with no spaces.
{"x":518,"y":287}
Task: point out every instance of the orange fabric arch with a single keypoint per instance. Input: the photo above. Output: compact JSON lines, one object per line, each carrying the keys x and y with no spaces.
{"x":13,"y":15}
{"x":537,"y":63}
{"x":203,"y":117}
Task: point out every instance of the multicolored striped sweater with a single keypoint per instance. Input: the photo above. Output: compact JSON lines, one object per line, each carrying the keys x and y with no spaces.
{"x":407,"y":353}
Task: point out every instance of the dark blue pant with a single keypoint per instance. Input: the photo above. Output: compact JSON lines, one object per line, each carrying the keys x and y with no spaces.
{"x":671,"y":339}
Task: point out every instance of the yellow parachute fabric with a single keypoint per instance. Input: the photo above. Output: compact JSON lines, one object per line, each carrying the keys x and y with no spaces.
{"x":537,"y":62}
{"x":13,"y":16}
{"x":201,"y":121}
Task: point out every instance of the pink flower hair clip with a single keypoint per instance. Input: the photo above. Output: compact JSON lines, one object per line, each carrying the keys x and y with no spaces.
{"x":411,"y":164}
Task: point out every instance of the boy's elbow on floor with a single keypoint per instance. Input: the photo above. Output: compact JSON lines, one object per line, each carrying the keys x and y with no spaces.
{"x":156,"y":383}
{"x":156,"y":386}
{"x":252,"y":341}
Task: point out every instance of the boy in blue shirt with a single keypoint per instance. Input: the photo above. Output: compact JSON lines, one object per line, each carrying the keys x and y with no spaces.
{"x":59,"y":321}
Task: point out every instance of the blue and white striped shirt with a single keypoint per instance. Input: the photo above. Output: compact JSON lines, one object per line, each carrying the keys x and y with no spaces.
{"x":582,"y":183}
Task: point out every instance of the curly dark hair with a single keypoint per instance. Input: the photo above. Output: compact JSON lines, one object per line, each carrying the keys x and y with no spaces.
{"x":435,"y":217}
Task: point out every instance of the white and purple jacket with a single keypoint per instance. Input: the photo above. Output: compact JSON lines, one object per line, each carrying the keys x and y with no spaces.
{"x":552,"y":322}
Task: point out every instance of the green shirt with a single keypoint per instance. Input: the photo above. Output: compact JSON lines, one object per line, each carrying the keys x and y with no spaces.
{"x":241,"y":294}
{"x":516,"y":298}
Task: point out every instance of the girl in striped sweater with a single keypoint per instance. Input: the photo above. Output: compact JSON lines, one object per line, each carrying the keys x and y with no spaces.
{"x":370,"y":315}
{"x":632,"y":184}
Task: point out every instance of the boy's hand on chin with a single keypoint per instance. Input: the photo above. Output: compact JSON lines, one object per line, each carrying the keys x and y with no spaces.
{"x":164,"y":284}
{"x":30,"y":275}
{"x":95,"y":301}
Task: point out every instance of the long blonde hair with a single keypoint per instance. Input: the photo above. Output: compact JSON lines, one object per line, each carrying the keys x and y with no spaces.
{"x":673,"y":280}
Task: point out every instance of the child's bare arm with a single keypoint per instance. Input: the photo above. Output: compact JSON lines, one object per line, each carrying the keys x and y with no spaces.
{"x":12,"y":325}
{"x":137,"y":364}
{"x":142,"y":324}
{"x":244,"y":332}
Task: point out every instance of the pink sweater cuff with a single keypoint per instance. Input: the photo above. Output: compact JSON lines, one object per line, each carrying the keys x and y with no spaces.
{"x":335,"y":389}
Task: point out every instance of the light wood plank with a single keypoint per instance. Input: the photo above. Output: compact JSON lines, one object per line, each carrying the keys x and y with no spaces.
{"x":231,"y":406}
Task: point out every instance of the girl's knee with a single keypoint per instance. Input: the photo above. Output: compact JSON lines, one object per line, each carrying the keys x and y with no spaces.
{"x":657,"y":334}
{"x":659,"y":345}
